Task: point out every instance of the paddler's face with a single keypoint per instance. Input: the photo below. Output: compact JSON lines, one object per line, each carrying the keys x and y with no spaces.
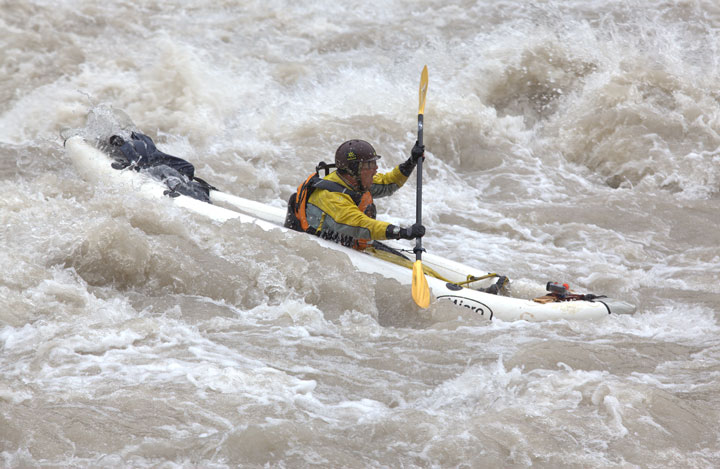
{"x":367,"y":171}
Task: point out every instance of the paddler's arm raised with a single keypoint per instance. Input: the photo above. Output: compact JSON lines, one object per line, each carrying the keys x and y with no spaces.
{"x":387,"y":183}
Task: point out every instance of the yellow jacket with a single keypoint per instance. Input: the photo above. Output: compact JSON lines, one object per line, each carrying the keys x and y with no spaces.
{"x":336,"y":216}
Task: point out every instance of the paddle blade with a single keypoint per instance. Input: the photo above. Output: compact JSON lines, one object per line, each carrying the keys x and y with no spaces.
{"x":420,"y":289}
{"x":423,"y":89}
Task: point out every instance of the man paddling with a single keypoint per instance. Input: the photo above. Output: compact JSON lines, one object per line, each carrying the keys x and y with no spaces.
{"x":340,"y":206}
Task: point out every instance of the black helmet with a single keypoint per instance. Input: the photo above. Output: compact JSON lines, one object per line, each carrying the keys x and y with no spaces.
{"x":350,"y":154}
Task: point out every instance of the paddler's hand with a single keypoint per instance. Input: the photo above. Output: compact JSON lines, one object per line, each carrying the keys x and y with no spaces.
{"x":417,"y":152}
{"x":412,"y":232}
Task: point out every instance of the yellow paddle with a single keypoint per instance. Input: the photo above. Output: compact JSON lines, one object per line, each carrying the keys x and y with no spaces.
{"x":420,"y":289}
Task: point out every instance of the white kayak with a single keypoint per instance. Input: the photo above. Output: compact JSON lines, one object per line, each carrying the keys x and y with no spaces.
{"x":448,"y":280}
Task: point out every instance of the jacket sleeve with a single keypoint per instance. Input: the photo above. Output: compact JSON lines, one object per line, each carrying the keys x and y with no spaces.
{"x":387,"y":183}
{"x":342,"y":216}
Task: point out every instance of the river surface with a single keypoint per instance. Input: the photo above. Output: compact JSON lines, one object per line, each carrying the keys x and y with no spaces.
{"x":574,"y":141}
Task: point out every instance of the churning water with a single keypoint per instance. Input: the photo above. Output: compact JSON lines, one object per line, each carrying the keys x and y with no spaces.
{"x":574,"y":141}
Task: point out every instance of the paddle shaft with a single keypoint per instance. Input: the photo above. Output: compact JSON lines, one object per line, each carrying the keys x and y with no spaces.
{"x":418,"y":201}
{"x":420,"y":288}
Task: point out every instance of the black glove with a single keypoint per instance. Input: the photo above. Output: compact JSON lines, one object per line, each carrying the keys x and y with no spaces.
{"x":412,"y":232}
{"x":417,"y":152}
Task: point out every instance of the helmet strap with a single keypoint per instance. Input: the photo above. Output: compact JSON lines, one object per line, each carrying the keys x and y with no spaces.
{"x":350,"y":179}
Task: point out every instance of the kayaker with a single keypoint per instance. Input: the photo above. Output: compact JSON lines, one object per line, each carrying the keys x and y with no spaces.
{"x":340,"y":206}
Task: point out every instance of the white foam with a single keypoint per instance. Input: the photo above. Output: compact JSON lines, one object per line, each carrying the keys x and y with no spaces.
{"x":575,"y":144}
